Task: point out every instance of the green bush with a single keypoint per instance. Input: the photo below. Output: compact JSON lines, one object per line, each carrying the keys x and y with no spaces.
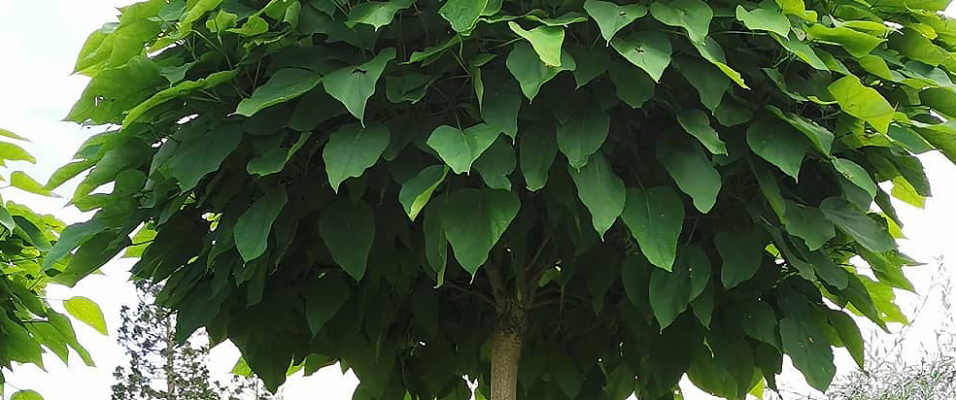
{"x":631,"y":192}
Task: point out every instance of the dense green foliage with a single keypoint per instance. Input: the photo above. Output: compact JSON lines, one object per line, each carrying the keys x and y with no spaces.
{"x":28,"y":324}
{"x":633,"y":192}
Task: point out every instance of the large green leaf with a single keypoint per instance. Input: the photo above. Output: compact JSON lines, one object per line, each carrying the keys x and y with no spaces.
{"x":849,"y":334}
{"x":601,"y":191}
{"x":687,"y":164}
{"x":179,"y":90}
{"x":7,"y":134}
{"x":496,"y":164}
{"x":655,"y":218}
{"x":905,"y":192}
{"x":802,"y":50}
{"x":201,"y":151}
{"x":24,"y":182}
{"x":352,"y":149}
{"x":711,"y":51}
{"x":825,"y":268}
{"x":460,"y":148}
{"x":914,"y":45}
{"x":797,"y":8}
{"x":196,"y":10}
{"x":634,"y":87}
{"x":911,"y":168}
{"x":563,"y":20}
{"x":26,"y":395}
{"x":862,"y":102}
{"x":12,"y":152}
{"x":6,"y":220}
{"x":284,"y":85}
{"x":888,"y":267}
{"x":858,"y":44}
{"x":742,"y":254}
{"x":314,"y":108}
{"x":855,"y":174}
{"x":253,"y":227}
{"x":530,"y":72}
{"x":324,"y":299}
{"x":697,"y":124}
{"x":274,"y":159}
{"x":354,"y":85}
{"x":710,"y":82}
{"x":692,"y":15}
{"x":582,"y":135}
{"x":462,"y":14}
{"x":766,"y":17}
{"x":941,"y":136}
{"x":858,"y":295}
{"x":536,"y":150}
{"x":376,"y":13}
{"x":620,"y":382}
{"x":473,"y":221}
{"x":611,"y":17}
{"x":809,"y":224}
{"x":87,"y":312}
{"x":670,"y":292}
{"x":759,"y":321}
{"x":875,"y":65}
{"x":943,"y":100}
{"x":779,"y":143}
{"x":72,"y":237}
{"x":416,"y":192}
{"x":589,"y":64}
{"x":820,"y":137}
{"x":545,"y":40}
{"x":348,"y":229}
{"x":855,"y":223}
{"x":436,"y":244}
{"x":650,"y":51}
{"x":17,"y":343}
{"x":500,"y":103}
{"x":809,"y":350}
{"x":253,"y":26}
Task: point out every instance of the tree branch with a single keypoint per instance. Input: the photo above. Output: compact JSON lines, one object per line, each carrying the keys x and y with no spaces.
{"x":497,"y":284}
{"x":466,"y":290}
{"x":537,"y":254}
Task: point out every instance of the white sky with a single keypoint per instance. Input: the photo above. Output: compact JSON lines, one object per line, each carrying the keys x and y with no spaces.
{"x":39,"y":40}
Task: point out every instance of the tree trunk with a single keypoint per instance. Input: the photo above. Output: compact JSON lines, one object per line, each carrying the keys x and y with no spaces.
{"x":506,"y":349}
{"x":170,"y":359}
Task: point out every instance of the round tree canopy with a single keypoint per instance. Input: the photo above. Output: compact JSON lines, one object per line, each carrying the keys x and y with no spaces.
{"x":556,"y":199}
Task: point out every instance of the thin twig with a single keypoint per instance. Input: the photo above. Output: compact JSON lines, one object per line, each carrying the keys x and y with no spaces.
{"x":537,"y":254}
{"x":479,"y":295}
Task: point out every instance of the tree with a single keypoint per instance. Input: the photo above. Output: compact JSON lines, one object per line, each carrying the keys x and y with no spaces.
{"x":630,"y":192}
{"x":147,"y":336}
{"x":155,"y":359}
{"x":28,"y":324}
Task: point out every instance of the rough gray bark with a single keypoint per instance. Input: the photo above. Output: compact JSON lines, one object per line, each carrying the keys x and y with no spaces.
{"x":506,"y":348}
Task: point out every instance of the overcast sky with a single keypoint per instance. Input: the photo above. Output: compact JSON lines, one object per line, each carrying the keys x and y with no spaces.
{"x":39,"y":41}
